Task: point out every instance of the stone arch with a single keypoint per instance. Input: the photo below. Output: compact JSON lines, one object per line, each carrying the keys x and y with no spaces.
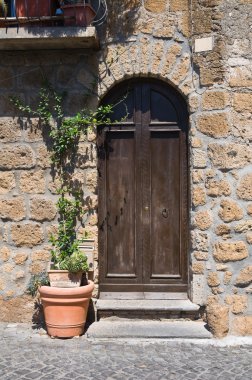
{"x":146,"y":57}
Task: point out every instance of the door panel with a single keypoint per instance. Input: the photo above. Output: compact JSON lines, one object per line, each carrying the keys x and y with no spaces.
{"x":143,"y":190}
{"x":165,"y":205}
{"x":120,"y":198}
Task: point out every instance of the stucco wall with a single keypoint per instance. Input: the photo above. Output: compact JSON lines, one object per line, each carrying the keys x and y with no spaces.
{"x":147,"y":38}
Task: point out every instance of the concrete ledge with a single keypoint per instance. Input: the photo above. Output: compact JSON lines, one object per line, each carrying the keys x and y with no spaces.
{"x":35,"y":38}
{"x":148,"y":329}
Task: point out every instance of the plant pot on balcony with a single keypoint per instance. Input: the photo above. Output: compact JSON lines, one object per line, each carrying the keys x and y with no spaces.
{"x":78,"y":14}
{"x":65,"y":309}
{"x":33,"y":8}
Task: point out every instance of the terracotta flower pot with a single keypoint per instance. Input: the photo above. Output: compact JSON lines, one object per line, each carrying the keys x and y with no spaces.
{"x":78,"y":14}
{"x":65,"y":309}
{"x":64,"y":279}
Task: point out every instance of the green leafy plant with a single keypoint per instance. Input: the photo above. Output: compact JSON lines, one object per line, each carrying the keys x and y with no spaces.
{"x":36,"y":281}
{"x":3,"y":8}
{"x":65,"y":133}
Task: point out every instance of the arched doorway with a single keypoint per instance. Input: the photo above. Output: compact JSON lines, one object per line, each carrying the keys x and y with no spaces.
{"x":143,"y":191}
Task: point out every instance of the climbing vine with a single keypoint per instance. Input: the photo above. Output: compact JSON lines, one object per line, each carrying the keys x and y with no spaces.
{"x":65,"y":133}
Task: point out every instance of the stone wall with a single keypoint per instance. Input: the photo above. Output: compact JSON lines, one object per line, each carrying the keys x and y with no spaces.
{"x":27,"y":183}
{"x":148,"y":38}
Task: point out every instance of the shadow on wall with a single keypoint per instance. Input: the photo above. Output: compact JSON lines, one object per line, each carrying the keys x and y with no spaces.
{"x":122,"y":18}
{"x":22,"y":74}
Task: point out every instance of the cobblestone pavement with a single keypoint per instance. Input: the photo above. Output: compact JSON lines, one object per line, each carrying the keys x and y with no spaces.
{"x":32,"y":355}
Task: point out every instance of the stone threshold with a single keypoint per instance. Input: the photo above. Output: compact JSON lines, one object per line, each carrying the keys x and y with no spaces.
{"x":111,"y":328}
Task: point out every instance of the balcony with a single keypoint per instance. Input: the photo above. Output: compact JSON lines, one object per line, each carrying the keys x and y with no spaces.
{"x":50,"y":24}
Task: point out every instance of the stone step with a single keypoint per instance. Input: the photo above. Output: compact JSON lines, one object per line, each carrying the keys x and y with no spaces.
{"x":147,"y":309}
{"x":112,"y":328}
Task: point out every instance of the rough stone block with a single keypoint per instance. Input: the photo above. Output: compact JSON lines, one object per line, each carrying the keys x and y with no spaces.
{"x":242,"y":326}
{"x":227,"y":278}
{"x":198,"y":268}
{"x":41,"y":255}
{"x":203,"y":220}
{"x":18,"y":309}
{"x":230,"y":156}
{"x":32,"y":182}
{"x":164,"y":28}
{"x":215,"y":100}
{"x":213,"y":279}
{"x":200,"y":256}
{"x":16,"y":157}
{"x":223,"y":230}
{"x":197,"y":176}
{"x":249,"y":209}
{"x":27,"y":234}
{"x":240,"y":77}
{"x":12,"y":209}
{"x":91,"y":180}
{"x":200,"y":241}
{"x":242,"y":102}
{"x":244,"y":278}
{"x":86,"y":155}
{"x":199,"y":158}
{"x":157,"y":58}
{"x":217,"y":188}
{"x":155,"y":6}
{"x":38,"y":267}
{"x":230,"y":211}
{"x":20,"y":258}
{"x":213,"y":125}
{"x":244,"y":226}
{"x":171,"y":56}
{"x":5,"y":254}
{"x":33,"y":131}
{"x":249,"y":237}
{"x":42,"y":209}
{"x":2,"y":284}
{"x":7,"y":268}
{"x":238,"y":303}
{"x":198,"y":196}
{"x":184,"y":24}
{"x":7,"y":182}
{"x":43,"y":157}
{"x":244,"y":189}
{"x":235,"y":251}
{"x":181,"y":70}
{"x":10,"y":131}
{"x":181,"y":5}
{"x":218,"y":319}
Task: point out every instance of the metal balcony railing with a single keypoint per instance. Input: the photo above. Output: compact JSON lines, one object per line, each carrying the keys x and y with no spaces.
{"x":52,"y":13}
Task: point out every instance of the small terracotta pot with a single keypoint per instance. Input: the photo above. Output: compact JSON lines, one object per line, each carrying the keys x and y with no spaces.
{"x":78,"y":14}
{"x":65,"y":309}
{"x":64,"y":279}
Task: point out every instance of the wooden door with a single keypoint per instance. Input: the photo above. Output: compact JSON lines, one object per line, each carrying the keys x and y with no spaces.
{"x":143,"y":190}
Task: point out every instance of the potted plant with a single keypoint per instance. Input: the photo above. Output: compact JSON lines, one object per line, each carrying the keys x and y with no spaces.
{"x":33,"y":8}
{"x":66,"y":302}
{"x":77,"y":12}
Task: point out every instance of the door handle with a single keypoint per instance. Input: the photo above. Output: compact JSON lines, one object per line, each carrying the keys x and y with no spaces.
{"x":165,"y":213}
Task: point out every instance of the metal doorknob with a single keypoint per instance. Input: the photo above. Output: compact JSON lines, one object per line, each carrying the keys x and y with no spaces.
{"x":165,"y":213}
{"x":146,"y":208}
